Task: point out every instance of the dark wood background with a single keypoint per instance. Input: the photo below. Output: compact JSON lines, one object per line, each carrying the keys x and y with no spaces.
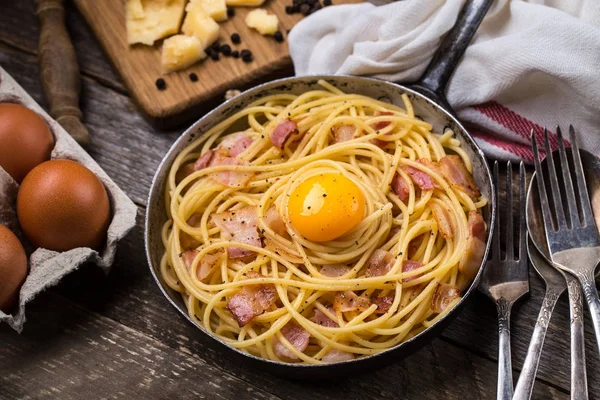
{"x":115,"y":336}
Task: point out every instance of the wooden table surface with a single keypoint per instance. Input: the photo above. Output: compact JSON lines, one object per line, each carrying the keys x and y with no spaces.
{"x":117,"y":337}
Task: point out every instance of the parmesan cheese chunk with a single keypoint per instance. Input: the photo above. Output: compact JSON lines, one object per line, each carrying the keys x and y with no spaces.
{"x":216,"y":9}
{"x":244,"y":3}
{"x":150,"y":20}
{"x":180,"y":51}
{"x":262,"y":21}
{"x":199,"y":24}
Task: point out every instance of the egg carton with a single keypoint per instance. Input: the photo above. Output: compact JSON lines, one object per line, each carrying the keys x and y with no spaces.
{"x":47,"y":267}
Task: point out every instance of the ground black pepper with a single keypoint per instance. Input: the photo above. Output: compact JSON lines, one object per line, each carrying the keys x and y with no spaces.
{"x":278,"y":36}
{"x":235,"y":38}
{"x":193,"y":77}
{"x":161,"y":84}
{"x":226,"y":50}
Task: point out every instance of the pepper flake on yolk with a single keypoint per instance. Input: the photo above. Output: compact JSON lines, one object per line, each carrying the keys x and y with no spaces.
{"x":326,"y":206}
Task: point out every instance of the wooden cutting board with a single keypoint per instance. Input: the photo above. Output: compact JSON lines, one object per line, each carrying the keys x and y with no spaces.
{"x":139,"y":65}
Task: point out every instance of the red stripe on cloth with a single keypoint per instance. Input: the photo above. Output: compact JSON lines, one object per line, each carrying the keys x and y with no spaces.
{"x":522,"y":151}
{"x":515,"y":122}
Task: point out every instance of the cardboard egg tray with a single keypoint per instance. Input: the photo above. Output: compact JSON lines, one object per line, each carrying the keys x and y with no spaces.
{"x":47,"y":267}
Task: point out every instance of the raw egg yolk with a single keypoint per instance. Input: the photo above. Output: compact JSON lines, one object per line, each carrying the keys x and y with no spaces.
{"x":326,"y":206}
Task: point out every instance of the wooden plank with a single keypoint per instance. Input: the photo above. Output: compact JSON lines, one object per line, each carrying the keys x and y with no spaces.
{"x":139,"y":65}
{"x":68,"y":352}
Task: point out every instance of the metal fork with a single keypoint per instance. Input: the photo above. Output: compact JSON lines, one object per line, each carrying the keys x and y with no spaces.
{"x":505,"y":280}
{"x":572,"y":236}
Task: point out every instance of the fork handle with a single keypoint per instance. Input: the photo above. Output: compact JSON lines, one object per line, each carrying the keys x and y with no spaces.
{"x":579,"y":389}
{"x":505,"y":381}
{"x":588,"y":285}
{"x":526,"y":380}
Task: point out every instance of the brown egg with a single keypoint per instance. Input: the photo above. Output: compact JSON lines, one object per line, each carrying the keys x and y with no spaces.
{"x":25,"y":140}
{"x":62,"y":205}
{"x":13,"y":268}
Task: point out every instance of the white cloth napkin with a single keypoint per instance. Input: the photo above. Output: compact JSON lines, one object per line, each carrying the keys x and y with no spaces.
{"x":531,"y":64}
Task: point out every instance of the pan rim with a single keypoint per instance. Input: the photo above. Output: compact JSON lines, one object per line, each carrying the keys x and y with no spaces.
{"x":155,"y":192}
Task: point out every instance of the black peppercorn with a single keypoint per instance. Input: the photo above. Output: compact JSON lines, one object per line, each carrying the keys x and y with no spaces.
{"x":214,"y":54}
{"x":290,"y":10}
{"x":235,"y":38}
{"x":226,"y":50}
{"x":316,"y":8}
{"x":161,"y":84}
{"x":193,"y":77}
{"x":216,"y":46}
{"x":235,"y":54}
{"x":278,"y":36}
{"x":327,"y":3}
{"x":310,"y":2}
{"x":230,"y":12}
{"x":305,"y":9}
{"x":298,"y":3}
{"x":246,"y":55}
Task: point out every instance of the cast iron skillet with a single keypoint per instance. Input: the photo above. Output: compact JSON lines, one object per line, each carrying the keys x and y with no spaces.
{"x":429,"y":101}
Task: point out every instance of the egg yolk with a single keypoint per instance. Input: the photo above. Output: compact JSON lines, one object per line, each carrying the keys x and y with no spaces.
{"x":326,"y":206}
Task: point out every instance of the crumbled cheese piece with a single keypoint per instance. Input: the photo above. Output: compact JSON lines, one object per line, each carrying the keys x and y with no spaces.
{"x":199,"y":24}
{"x":244,"y":3}
{"x":262,"y":21}
{"x":180,"y":51}
{"x":150,"y":20}
{"x":216,"y":9}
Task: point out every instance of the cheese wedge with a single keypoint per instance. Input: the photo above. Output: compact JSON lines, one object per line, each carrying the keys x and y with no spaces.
{"x":199,"y":24}
{"x":180,"y":51}
{"x":216,"y":9}
{"x":262,"y":21}
{"x":244,"y":3}
{"x":151,"y":20}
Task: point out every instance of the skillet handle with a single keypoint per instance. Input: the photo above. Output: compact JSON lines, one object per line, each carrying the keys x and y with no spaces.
{"x":437,"y":75}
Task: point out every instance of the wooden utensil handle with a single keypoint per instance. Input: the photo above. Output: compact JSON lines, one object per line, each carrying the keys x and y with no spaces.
{"x":59,"y":70}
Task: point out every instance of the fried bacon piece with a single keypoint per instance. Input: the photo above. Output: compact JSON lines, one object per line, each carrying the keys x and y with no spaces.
{"x":471,"y":261}
{"x":241,"y":226}
{"x":323,"y":320}
{"x":422,"y":179}
{"x":252,"y":300}
{"x":283,"y":132}
{"x":334,"y":270}
{"x":454,"y":170}
{"x":343,"y":133}
{"x":236,"y":143}
{"x":296,"y":335}
{"x":350,"y":301}
{"x":442,"y":297}
{"x":400,"y":187}
{"x":204,"y":160}
{"x":206,"y":266}
{"x":274,"y":221}
{"x":336,"y":355}
{"x":410,"y":265}
{"x":382,"y":124}
{"x":443,"y":220}
{"x":383,"y":303}
{"x":379,"y":263}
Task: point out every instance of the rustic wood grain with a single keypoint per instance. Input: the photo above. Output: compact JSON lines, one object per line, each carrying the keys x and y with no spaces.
{"x":139,"y":65}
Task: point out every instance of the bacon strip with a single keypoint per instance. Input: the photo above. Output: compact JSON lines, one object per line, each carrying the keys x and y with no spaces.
{"x":382,"y":124}
{"x":206,"y":266}
{"x":274,"y":221}
{"x":334,"y":270}
{"x":343,"y":133}
{"x":400,"y":187}
{"x":423,"y":180}
{"x":442,"y":217}
{"x":454,"y":170}
{"x":204,"y":160}
{"x":336,"y":355}
{"x":230,"y":178}
{"x":236,"y":143}
{"x":442,"y":297}
{"x":323,"y":320}
{"x":350,"y":301}
{"x":252,"y":300}
{"x":471,"y":261}
{"x":283,"y":132}
{"x":383,"y":303}
{"x":410,"y":265}
{"x":379,"y":263}
{"x":297,"y":336}
{"x":241,"y":226}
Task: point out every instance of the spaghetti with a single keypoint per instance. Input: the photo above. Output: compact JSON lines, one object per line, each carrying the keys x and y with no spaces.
{"x":267,"y":265}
